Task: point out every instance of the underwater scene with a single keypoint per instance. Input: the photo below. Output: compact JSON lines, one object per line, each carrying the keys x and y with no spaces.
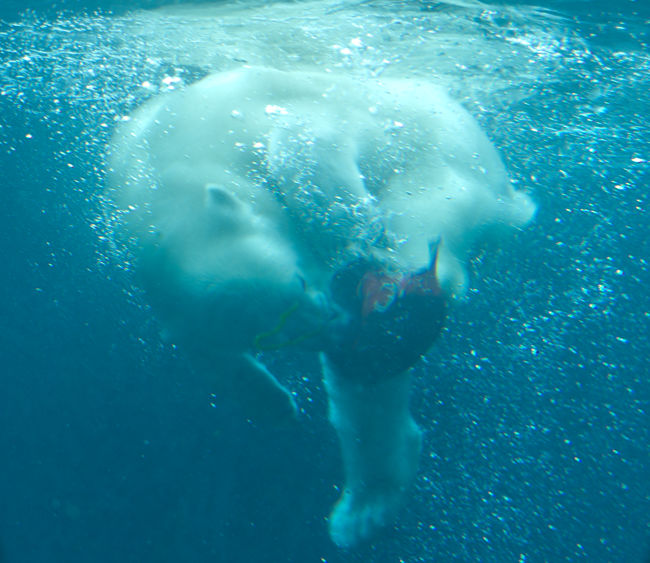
{"x":324,"y":280}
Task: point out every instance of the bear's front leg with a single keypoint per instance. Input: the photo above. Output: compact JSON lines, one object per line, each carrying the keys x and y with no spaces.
{"x":380,"y":446}
{"x":258,"y":394}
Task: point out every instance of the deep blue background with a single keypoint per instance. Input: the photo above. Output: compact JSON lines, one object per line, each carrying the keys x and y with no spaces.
{"x":535,"y":402}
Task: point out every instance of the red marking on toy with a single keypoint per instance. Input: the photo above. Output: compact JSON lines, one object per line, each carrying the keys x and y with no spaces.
{"x":379,"y":290}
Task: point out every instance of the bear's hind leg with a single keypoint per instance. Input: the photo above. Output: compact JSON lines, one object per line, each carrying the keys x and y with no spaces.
{"x":380,"y":446}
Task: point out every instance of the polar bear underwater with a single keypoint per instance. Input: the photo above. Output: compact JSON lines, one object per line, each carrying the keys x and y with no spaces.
{"x":268,"y":208}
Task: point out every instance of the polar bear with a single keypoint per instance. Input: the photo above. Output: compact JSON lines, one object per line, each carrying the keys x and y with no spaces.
{"x":267,"y":208}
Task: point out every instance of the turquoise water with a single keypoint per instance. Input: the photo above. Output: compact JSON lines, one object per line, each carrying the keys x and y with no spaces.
{"x":534,"y":401}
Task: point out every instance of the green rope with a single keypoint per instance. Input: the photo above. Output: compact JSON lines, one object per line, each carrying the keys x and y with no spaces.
{"x":258,"y":343}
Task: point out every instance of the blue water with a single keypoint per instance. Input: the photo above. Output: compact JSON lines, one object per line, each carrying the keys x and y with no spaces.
{"x":535,"y":402}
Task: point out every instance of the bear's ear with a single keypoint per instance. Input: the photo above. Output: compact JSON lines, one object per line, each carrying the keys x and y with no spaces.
{"x":219,"y":198}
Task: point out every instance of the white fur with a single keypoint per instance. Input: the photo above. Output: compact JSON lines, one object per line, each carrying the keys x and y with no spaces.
{"x":242,"y":194}
{"x":380,"y":444}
